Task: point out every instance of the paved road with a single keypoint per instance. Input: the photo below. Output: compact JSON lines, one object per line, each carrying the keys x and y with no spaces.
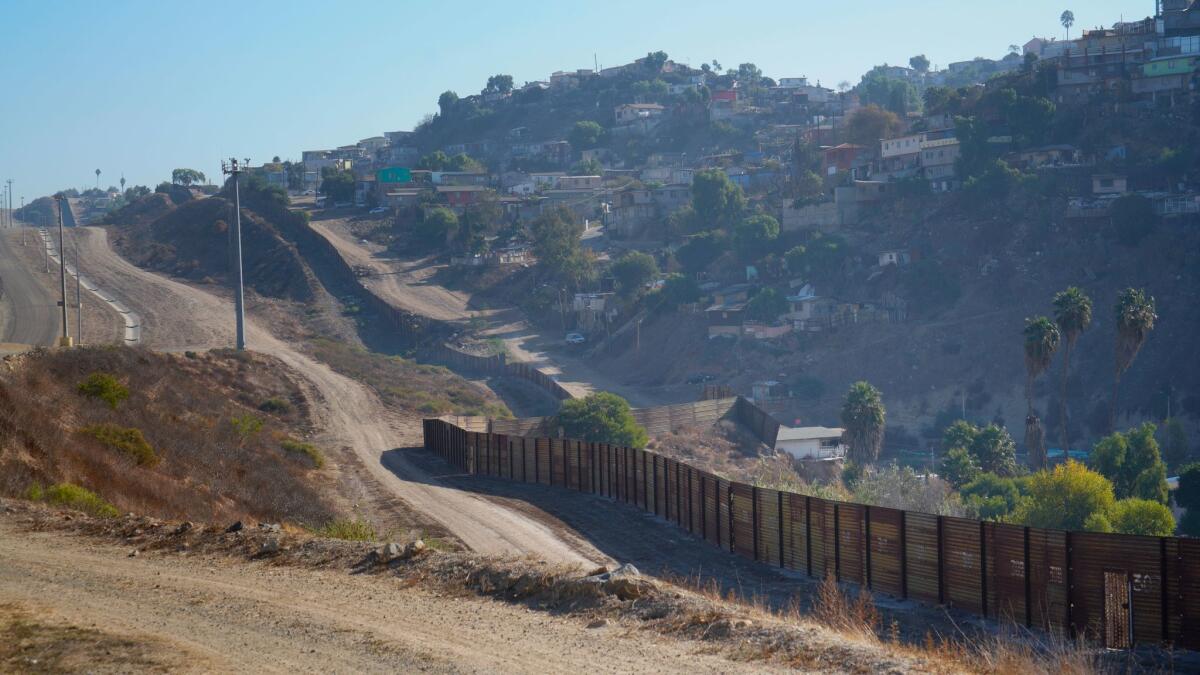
{"x":30,"y":311}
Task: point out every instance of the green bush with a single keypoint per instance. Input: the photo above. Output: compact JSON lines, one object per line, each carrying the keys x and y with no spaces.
{"x":247,"y":425}
{"x":73,"y":497}
{"x":350,"y":530}
{"x":307,"y":449}
{"x":601,"y":418}
{"x":275,"y":405}
{"x":104,"y":387}
{"x":126,"y":440}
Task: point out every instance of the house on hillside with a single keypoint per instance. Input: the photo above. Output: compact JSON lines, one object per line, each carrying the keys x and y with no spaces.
{"x":580,"y":182}
{"x":1047,"y":156}
{"x":841,"y":158}
{"x":594,"y":310}
{"x":1109,"y":184}
{"x":939,"y":155}
{"x":628,"y":113}
{"x":460,"y":196}
{"x":726,"y":318}
{"x":897,"y":257}
{"x":811,"y":443}
{"x":900,"y":157}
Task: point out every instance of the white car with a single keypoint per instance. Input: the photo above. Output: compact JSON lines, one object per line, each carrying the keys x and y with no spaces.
{"x":575,"y":338}
{"x":379,"y":209}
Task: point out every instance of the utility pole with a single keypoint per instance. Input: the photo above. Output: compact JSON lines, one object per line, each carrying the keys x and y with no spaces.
{"x":235,"y":170}
{"x":23,"y":228}
{"x":78,"y":294}
{"x":65,"y":340}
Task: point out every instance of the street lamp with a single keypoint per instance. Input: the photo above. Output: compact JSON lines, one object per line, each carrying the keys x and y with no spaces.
{"x":234,"y":169}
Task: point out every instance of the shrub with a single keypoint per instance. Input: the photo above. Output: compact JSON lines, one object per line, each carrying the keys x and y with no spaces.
{"x":307,"y":449}
{"x":1142,"y":516}
{"x":275,"y":405}
{"x":104,"y":387}
{"x":1065,"y":498}
{"x":74,"y":497}
{"x":246,"y":425}
{"x":129,"y":441}
{"x":350,"y":530}
{"x":601,"y":418}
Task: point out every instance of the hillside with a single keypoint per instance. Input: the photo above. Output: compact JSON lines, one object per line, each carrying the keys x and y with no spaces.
{"x":192,"y":240}
{"x":215,"y":436}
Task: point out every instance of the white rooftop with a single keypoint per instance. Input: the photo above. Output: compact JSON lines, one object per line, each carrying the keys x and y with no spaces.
{"x":807,"y":433}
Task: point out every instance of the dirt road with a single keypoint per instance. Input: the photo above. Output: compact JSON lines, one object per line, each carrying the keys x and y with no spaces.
{"x":408,"y":285}
{"x":217,"y":614}
{"x":177,"y":316}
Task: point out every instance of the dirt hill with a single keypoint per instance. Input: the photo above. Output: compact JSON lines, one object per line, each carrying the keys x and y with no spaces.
{"x":192,"y":240}
{"x":212,"y":436}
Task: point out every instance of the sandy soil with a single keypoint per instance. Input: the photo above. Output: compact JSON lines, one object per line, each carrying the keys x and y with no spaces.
{"x":216,"y":614}
{"x":177,"y":316}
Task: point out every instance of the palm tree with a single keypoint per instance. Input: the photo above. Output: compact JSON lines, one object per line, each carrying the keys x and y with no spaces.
{"x":1073,"y":314}
{"x":1135,"y":320}
{"x":1067,"y":19}
{"x":1041,"y":341}
{"x":863,"y":416}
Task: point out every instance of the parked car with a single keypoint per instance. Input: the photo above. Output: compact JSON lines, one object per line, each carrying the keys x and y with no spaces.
{"x":700,"y":378}
{"x":379,"y":209}
{"x":575,"y":338}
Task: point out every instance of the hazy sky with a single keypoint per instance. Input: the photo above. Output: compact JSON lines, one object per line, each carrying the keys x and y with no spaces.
{"x":140,"y":87}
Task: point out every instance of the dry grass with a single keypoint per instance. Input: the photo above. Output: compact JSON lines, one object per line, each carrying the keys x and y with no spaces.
{"x":412,"y":387}
{"x":29,"y":644}
{"x":187,"y":442}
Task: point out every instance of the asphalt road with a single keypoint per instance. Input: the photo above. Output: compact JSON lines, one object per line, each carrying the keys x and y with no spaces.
{"x":31,"y":311}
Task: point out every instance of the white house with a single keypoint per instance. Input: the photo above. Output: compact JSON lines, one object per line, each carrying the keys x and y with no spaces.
{"x":897,"y":257}
{"x":811,"y":442}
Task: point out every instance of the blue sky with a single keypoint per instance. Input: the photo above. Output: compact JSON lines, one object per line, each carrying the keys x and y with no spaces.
{"x":140,"y":87}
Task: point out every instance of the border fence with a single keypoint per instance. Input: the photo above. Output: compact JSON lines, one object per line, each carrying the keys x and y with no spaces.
{"x":1119,"y":590}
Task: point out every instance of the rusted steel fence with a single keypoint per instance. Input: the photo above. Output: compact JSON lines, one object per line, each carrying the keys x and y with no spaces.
{"x":1119,"y":590}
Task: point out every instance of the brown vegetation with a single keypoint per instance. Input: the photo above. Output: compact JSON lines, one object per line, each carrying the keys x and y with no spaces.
{"x":192,"y":440}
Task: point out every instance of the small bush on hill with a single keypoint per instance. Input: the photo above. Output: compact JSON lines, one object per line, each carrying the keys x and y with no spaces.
{"x":350,"y":530}
{"x":275,"y":405}
{"x":307,"y":449}
{"x":104,"y":387}
{"x":246,"y":425}
{"x":601,"y":418}
{"x":73,"y":497}
{"x":131,"y":442}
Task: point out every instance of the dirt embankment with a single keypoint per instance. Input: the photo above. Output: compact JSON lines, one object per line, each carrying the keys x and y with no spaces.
{"x":198,"y":598}
{"x":192,"y":241}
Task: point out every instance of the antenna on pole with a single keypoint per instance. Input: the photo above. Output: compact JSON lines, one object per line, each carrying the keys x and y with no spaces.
{"x":232,"y":168}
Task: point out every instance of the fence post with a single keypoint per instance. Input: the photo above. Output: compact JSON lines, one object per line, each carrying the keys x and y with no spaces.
{"x":729,"y":501}
{"x":690,"y":519}
{"x":1162,"y":588}
{"x":779,"y":520}
{"x":754,"y":516}
{"x":866,"y":529}
{"x":1028,"y":584}
{"x":904,"y":554}
{"x":941,"y":566}
{"x":983,"y":567}
{"x":704,"y":508}
{"x":808,"y":534}
{"x":1070,"y":579}
{"x":578,"y":466}
{"x":837,"y":542}
{"x":654,"y":483}
{"x":678,"y":487}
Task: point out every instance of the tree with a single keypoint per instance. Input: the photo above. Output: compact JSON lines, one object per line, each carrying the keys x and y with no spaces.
{"x":959,"y":467}
{"x":870,"y":123}
{"x":1132,"y":462}
{"x":601,"y":418}
{"x":863,"y":416}
{"x":961,"y":434}
{"x":751,"y":234}
{"x":767,"y":305}
{"x":655,"y":60}
{"x":679,"y":290}
{"x":633,"y":271}
{"x":187,"y":177}
{"x":337,"y":186}
{"x":1073,"y":315}
{"x":464,"y":162}
{"x":587,"y":167}
{"x":1187,"y":495}
{"x":995,"y":451}
{"x":991,"y":496}
{"x":1175,"y":446}
{"x":1065,"y":498}
{"x":585,"y":135}
{"x":1135,"y":319}
{"x":436,"y":227}
{"x":1067,"y":19}
{"x":1041,"y":340}
{"x":479,"y":220}
{"x":499,"y":84}
{"x":809,"y":187}
{"x":447,"y":102}
{"x":556,"y":235}
{"x":434,"y":161}
{"x":1141,"y":516}
{"x":715,"y":199}
{"x":919,"y":63}
{"x":1133,"y":219}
